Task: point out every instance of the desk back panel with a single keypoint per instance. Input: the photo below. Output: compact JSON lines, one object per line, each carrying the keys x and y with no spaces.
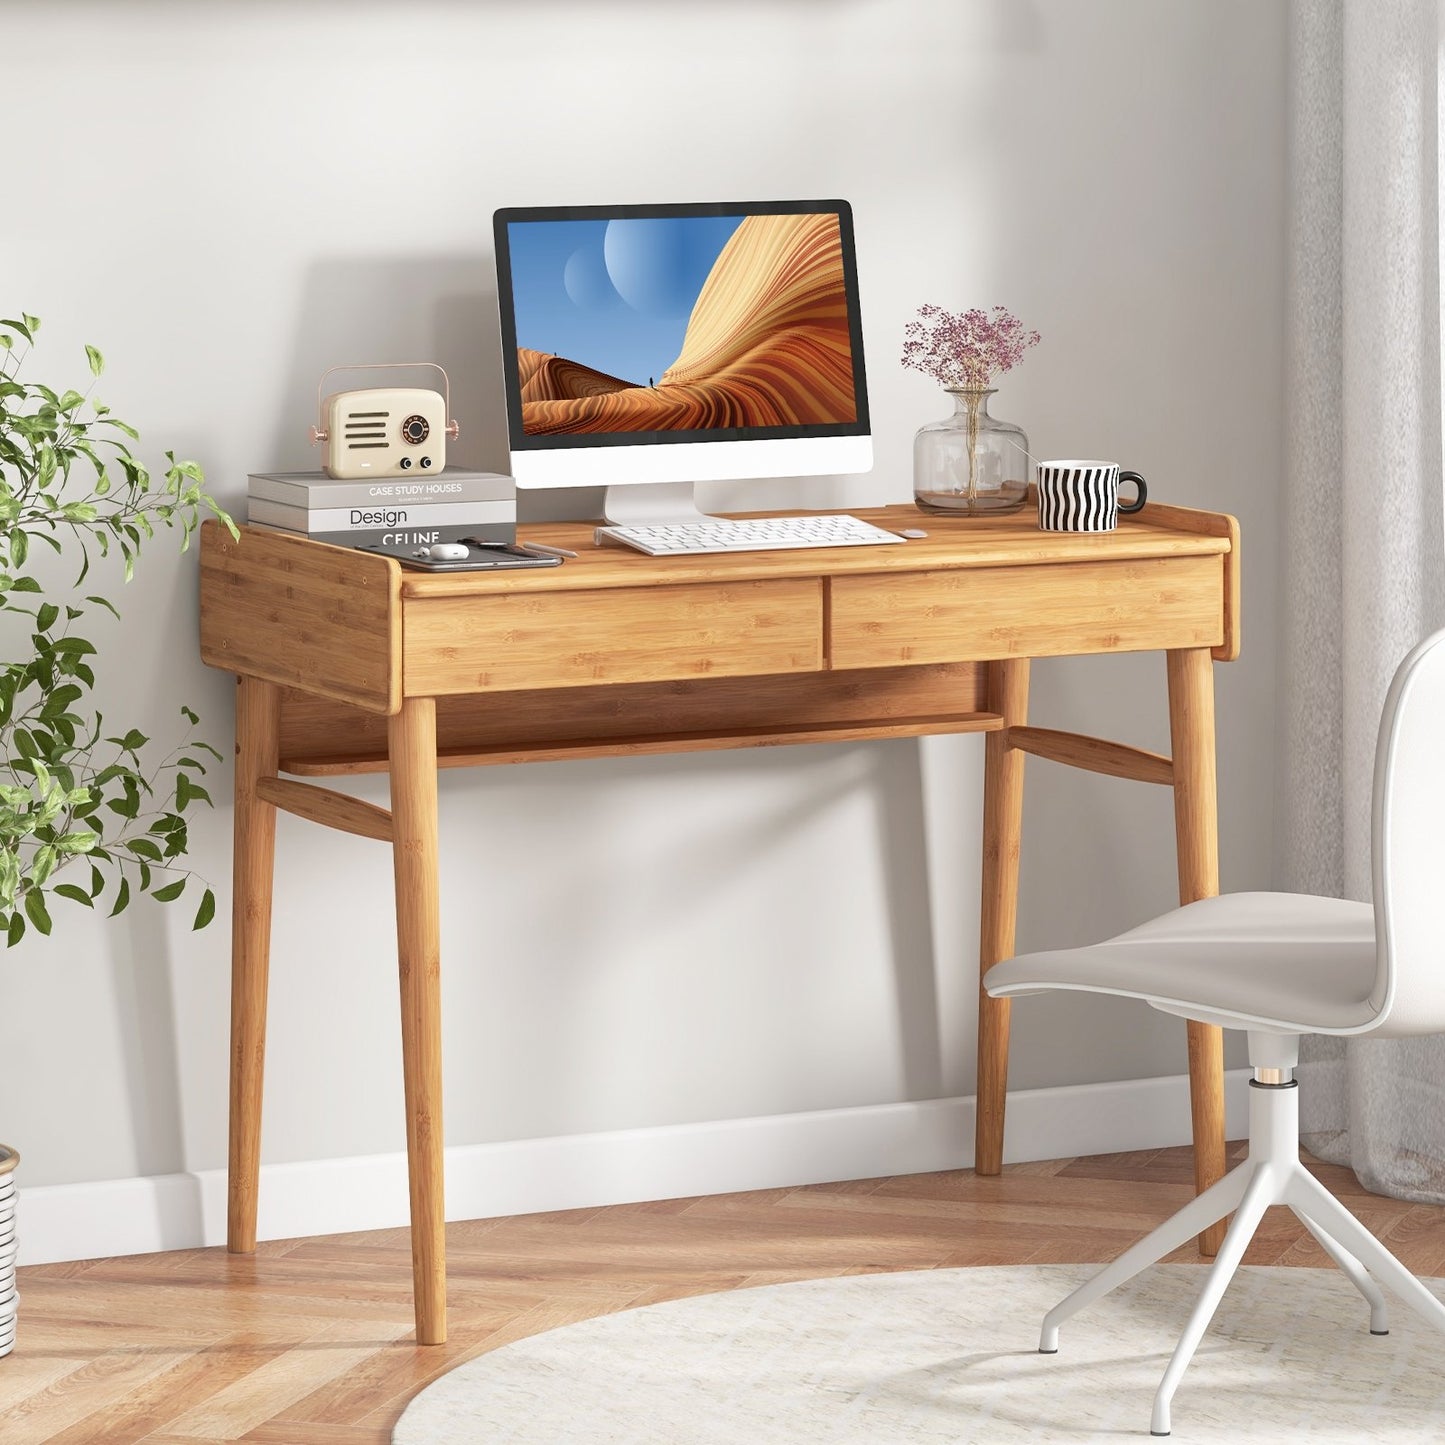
{"x":322,"y":736}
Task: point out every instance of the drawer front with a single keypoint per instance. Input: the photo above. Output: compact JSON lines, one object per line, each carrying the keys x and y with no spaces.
{"x":509,"y":640}
{"x":991,"y":612}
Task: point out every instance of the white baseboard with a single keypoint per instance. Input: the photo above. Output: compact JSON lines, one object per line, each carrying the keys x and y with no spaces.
{"x":334,"y":1196}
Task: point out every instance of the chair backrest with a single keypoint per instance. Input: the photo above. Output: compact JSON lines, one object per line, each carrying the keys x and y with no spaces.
{"x":1408,"y":843}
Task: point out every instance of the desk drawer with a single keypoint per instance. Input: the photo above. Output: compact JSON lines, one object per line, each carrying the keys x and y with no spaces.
{"x":990,"y":612}
{"x":510,"y":640}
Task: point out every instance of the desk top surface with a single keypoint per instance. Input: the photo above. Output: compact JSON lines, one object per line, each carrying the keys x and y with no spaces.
{"x":360,"y":628}
{"x":1014,"y":540}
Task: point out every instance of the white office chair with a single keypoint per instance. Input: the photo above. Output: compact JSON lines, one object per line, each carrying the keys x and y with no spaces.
{"x":1280,"y":965}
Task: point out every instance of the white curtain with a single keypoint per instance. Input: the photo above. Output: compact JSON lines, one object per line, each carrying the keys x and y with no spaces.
{"x":1363,"y":571}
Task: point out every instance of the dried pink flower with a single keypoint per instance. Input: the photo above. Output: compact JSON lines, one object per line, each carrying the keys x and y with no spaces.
{"x":965,"y":350}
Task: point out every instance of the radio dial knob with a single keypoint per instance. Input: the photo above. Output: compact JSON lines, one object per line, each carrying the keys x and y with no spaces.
{"x":415,"y":429}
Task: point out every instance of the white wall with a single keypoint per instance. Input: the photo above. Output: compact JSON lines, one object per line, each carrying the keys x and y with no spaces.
{"x":226,"y":199}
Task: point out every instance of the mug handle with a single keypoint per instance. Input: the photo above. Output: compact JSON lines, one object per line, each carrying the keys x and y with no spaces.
{"x":1138,"y":502}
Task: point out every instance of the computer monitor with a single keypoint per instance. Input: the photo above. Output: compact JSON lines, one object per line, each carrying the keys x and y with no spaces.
{"x":646,"y":348}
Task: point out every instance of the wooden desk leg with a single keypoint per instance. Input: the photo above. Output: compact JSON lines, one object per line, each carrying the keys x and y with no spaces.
{"x":413,"y":757}
{"x":1196,"y":828}
{"x":258,"y":713}
{"x":1003,"y":801}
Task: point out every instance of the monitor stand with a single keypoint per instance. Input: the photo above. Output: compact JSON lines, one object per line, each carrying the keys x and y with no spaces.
{"x":650,"y":503}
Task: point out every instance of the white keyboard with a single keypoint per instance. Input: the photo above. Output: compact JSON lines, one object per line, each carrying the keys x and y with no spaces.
{"x":678,"y":539}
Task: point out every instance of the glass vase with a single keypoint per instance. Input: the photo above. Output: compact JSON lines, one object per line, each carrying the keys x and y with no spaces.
{"x":971,"y":463}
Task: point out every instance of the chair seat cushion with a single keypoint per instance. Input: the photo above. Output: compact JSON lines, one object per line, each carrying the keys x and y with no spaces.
{"x":1282,"y":961}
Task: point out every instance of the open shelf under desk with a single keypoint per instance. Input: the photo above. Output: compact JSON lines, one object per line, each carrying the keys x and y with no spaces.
{"x":332,"y":765}
{"x":321,"y":737}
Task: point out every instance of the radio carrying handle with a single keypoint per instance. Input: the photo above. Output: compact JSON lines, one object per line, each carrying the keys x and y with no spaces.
{"x":319,"y":433}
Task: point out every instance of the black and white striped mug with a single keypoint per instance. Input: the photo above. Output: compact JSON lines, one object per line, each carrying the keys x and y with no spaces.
{"x":1084,"y":496}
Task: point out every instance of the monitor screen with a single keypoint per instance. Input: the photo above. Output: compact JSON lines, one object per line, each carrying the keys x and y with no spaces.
{"x":642,"y":325}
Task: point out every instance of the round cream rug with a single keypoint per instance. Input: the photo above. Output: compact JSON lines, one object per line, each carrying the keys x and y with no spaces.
{"x":951,"y":1356}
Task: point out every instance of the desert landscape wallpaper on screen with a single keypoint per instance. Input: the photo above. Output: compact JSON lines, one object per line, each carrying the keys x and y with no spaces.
{"x":683,"y":324}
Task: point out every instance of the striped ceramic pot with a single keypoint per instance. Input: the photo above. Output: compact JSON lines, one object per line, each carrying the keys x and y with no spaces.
{"x":1084,"y":496}
{"x":8,"y":1247}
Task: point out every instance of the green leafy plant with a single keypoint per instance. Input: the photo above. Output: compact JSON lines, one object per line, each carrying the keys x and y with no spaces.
{"x":87,"y":813}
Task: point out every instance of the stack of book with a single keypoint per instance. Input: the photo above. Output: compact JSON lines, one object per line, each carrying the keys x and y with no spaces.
{"x":386,"y":511}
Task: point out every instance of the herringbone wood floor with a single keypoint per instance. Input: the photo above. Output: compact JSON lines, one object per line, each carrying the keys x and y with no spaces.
{"x":308,"y":1342}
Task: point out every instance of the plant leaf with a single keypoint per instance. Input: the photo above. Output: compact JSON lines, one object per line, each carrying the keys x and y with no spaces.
{"x":64,"y":789}
{"x":36,"y":912}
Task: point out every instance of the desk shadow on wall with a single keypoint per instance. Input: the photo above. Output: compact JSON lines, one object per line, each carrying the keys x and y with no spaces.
{"x":148,"y":1031}
{"x":898,"y":783}
{"x":358,"y":310}
{"x":634,"y":860}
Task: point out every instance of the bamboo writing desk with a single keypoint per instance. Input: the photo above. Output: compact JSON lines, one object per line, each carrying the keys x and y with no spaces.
{"x":347,"y":663}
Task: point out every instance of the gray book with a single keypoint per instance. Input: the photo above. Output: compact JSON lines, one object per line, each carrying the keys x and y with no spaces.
{"x":407,"y":536}
{"x":393,"y":516}
{"x":317,"y":490}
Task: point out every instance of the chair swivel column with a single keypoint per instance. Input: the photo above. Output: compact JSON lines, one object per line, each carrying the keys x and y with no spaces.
{"x":1271,"y":1175}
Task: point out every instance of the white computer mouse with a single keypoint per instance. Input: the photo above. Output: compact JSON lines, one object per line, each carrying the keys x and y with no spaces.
{"x":447,"y":552}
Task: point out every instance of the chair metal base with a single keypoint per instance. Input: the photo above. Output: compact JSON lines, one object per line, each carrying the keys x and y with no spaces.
{"x":1272,"y":1174}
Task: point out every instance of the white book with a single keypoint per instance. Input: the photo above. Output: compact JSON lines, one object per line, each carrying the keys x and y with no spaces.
{"x":317,"y":489}
{"x":391,"y":515}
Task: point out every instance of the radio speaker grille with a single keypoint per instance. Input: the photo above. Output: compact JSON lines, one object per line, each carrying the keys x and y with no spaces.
{"x":366,"y":430}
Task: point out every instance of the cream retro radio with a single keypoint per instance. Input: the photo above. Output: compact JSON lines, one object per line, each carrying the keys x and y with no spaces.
{"x":383,"y":431}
